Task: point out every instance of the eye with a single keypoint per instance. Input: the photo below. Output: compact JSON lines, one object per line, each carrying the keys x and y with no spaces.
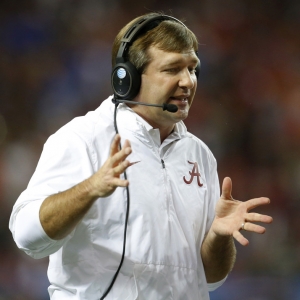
{"x":172,"y":70}
{"x":192,"y":70}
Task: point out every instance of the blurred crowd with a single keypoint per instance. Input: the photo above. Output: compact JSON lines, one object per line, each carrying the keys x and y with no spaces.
{"x":55,"y":65}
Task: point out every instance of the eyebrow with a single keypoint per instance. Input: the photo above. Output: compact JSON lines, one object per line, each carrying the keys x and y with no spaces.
{"x":173,"y":62}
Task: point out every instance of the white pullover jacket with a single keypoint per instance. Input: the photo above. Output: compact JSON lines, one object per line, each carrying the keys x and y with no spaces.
{"x":173,"y":191}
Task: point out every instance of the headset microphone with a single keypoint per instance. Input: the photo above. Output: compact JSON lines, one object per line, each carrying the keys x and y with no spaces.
{"x":168,"y":107}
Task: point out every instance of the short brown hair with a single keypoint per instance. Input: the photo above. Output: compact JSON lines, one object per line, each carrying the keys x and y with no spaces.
{"x":169,"y":35}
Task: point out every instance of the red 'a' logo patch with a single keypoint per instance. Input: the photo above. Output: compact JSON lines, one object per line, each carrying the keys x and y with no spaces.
{"x":194,"y":173}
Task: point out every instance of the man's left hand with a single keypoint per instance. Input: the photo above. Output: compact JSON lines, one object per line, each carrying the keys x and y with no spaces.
{"x":233,"y":216}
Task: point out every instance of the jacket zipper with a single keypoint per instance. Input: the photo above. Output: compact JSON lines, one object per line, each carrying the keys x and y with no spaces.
{"x":167,"y":187}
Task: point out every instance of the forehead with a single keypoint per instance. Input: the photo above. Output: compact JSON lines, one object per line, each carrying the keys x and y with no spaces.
{"x":159,"y":56}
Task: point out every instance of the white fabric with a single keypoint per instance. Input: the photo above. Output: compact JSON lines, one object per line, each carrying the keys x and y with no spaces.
{"x":168,"y":217}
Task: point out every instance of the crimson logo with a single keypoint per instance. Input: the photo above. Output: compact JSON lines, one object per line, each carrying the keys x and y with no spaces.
{"x":193,"y":173}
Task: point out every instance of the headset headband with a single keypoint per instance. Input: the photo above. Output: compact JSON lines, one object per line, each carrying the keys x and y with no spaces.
{"x":131,"y":34}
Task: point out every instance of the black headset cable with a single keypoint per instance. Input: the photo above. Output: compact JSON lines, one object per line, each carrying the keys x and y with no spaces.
{"x":126,"y":217}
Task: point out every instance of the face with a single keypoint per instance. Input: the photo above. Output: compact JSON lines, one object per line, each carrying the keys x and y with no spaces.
{"x":169,"y":78}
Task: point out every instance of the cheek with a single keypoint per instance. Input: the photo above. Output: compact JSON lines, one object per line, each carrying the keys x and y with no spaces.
{"x":150,"y":89}
{"x":193,"y":92}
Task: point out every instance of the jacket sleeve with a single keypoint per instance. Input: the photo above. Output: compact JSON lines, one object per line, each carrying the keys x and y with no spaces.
{"x":214,"y":193}
{"x":65,"y":161}
{"x":29,"y":234}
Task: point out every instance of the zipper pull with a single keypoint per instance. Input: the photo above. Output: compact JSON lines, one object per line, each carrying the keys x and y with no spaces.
{"x":163,"y":163}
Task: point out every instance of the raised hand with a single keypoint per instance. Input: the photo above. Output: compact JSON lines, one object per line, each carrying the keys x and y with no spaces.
{"x":60,"y":213}
{"x":232,"y":215}
{"x":104,"y":182}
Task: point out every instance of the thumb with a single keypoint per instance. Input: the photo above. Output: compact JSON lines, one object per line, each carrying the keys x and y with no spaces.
{"x":227,"y":189}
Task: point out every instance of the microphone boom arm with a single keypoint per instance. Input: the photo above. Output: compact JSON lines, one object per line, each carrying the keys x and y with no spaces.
{"x":165,"y":106}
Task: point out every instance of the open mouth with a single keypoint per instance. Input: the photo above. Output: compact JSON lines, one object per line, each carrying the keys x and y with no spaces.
{"x":182,"y":100}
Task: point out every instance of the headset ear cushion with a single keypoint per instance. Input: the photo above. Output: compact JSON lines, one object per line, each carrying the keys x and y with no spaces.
{"x":126,"y":81}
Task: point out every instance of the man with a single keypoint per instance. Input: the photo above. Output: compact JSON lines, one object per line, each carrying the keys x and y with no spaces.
{"x":178,"y":230}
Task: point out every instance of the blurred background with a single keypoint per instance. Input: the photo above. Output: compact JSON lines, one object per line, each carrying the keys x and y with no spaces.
{"x":55,"y":65}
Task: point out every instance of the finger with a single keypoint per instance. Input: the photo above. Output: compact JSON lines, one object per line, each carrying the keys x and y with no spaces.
{"x":126,"y":144}
{"x":114,"y":148}
{"x":226,"y":189}
{"x":119,"y":182}
{"x":255,"y":217}
{"x":253,"y":203}
{"x":120,"y":156}
{"x":254,"y":228}
{"x":119,"y":169}
{"x":240,"y":238}
{"x":116,"y":154}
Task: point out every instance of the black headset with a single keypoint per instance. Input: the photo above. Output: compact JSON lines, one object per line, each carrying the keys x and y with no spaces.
{"x":125,"y":78}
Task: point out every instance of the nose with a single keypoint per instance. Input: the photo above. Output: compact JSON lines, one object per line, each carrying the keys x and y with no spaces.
{"x":187,"y":80}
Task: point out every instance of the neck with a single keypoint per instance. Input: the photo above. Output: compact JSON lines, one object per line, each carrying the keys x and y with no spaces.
{"x":165,"y":128}
{"x":165,"y":132}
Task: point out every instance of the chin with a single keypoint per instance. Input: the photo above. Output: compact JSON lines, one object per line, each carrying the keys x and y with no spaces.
{"x":182,"y":114}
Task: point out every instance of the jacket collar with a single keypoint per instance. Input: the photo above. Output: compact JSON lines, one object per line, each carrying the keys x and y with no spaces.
{"x":140,"y":128}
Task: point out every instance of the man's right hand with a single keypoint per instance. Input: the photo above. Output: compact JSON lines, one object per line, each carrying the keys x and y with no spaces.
{"x":61,"y":212}
{"x":104,"y":182}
